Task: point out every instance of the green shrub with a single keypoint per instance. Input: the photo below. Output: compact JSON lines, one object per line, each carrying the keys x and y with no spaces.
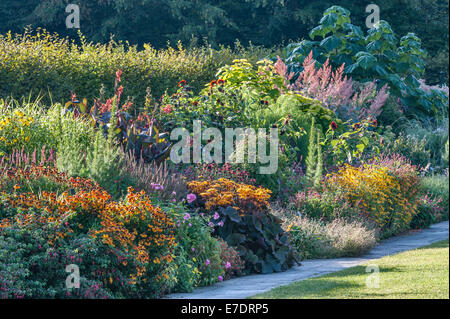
{"x":187,"y":273}
{"x":437,"y":186}
{"x":412,"y":147}
{"x":32,"y":268}
{"x":379,"y":54}
{"x":28,"y":126}
{"x":197,"y":254}
{"x":254,"y":96}
{"x":314,"y":161}
{"x":429,"y":211}
{"x":422,"y":142}
{"x":42,"y":63}
{"x":104,"y":164}
{"x":232,"y":263}
{"x":323,"y":205}
{"x":99,"y":161}
{"x":445,"y":154}
{"x":124,"y":249}
{"x":22,"y":126}
{"x":434,"y":135}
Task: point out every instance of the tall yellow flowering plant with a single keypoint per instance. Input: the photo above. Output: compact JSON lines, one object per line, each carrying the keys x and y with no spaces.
{"x":385,"y":191}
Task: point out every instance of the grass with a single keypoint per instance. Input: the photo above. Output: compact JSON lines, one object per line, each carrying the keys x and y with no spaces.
{"x":421,"y":273}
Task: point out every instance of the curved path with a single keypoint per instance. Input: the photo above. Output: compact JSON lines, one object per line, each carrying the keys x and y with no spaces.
{"x":247,"y":286}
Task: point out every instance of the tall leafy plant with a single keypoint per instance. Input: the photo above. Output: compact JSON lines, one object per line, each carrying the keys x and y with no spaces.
{"x":379,"y":54}
{"x":314,"y":161}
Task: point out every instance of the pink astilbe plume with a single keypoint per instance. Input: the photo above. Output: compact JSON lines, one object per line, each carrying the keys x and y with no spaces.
{"x":330,"y":88}
{"x":282,"y":70}
{"x":378,"y":102}
{"x":335,"y":90}
{"x":427,"y":88}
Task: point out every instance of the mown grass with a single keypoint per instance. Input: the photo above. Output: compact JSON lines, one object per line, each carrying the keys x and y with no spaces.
{"x":421,"y":273}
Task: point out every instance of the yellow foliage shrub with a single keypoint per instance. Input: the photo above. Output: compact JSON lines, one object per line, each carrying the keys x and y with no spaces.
{"x":386,"y":197}
{"x":224,"y":192}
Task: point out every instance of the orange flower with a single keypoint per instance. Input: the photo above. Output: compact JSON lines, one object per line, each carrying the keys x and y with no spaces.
{"x":117,"y":220}
{"x":224,"y":192}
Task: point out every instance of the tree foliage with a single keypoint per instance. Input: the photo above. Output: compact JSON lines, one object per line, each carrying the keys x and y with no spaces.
{"x":263,"y":22}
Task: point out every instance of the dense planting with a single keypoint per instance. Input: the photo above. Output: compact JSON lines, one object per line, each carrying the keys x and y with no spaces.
{"x":93,"y":181}
{"x":40,"y":63}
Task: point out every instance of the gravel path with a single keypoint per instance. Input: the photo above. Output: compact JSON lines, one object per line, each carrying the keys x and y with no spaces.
{"x":247,"y":286}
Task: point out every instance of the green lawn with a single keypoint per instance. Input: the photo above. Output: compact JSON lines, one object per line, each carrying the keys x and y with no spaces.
{"x":420,"y":273}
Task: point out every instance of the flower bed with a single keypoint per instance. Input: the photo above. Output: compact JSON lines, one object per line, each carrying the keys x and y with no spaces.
{"x":96,"y":185}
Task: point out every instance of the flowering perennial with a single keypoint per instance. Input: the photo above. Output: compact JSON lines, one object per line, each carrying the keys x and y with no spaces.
{"x":224,"y":192}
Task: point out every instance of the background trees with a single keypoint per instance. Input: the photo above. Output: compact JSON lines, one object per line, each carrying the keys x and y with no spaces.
{"x":263,"y":22}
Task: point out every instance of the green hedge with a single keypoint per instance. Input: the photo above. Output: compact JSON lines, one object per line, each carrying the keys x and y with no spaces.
{"x":48,"y":66}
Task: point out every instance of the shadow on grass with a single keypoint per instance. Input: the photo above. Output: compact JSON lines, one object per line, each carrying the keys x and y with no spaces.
{"x":360,"y":270}
{"x":439,"y":244}
{"x":332,"y":282}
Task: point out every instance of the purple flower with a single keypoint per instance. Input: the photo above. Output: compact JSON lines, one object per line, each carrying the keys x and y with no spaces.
{"x":187,"y":216}
{"x":220,"y":278}
{"x":216,"y":216}
{"x":220,"y":224}
{"x":210,"y":224}
{"x":228,"y":265}
{"x":191,"y":198}
{"x":207,"y":262}
{"x":174,"y":193}
{"x":193,"y":249}
{"x":157,"y":186}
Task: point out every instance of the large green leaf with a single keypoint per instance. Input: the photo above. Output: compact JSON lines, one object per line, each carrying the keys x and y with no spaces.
{"x":374,"y":46}
{"x":235,"y":239}
{"x":317,"y":31}
{"x":330,"y":43}
{"x":354,"y":29}
{"x":366,"y":60}
{"x":380,"y":70}
{"x":329,"y":20}
{"x":351,"y":68}
{"x":232,"y":214}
